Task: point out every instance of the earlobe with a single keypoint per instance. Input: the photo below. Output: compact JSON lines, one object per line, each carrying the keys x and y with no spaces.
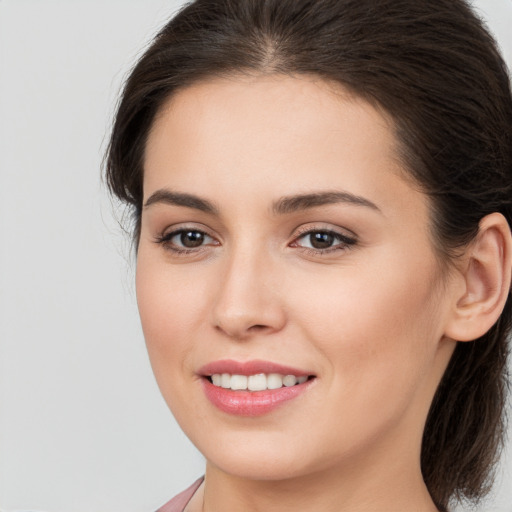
{"x":486,"y":281}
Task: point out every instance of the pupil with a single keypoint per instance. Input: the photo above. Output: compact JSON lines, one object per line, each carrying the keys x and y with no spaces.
{"x":322,"y":240}
{"x":192,"y":239}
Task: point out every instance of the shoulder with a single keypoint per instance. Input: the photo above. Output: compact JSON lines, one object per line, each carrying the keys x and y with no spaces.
{"x":179,"y":502}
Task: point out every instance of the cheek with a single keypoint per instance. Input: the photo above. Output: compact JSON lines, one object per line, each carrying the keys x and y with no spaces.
{"x":377,"y":327}
{"x":169,"y":312}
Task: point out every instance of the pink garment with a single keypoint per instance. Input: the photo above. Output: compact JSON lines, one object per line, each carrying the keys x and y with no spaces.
{"x":179,"y":502}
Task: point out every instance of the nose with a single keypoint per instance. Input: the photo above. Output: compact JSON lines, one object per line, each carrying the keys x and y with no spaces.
{"x":248,"y":299}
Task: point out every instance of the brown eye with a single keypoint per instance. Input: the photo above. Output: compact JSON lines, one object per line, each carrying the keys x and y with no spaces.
{"x":321,"y":240}
{"x":185,"y":240}
{"x":191,"y":239}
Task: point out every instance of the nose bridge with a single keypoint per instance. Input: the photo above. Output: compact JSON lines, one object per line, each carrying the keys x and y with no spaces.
{"x":248,"y":299}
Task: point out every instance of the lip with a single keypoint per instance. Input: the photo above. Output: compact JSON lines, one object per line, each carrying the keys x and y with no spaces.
{"x":251,"y":403}
{"x":249,"y":368}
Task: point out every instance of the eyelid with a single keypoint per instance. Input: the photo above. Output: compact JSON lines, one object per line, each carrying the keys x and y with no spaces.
{"x":311,"y":228}
{"x":344,"y":242}
{"x":164,"y":238}
{"x":179,"y":227}
{"x":178,"y":232}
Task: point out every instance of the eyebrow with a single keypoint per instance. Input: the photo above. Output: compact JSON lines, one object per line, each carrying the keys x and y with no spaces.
{"x":284,"y":205}
{"x":181,"y":199}
{"x":295,"y":203}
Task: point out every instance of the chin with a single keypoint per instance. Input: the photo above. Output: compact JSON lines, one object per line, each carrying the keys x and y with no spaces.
{"x":261,"y":468}
{"x":264,"y":457}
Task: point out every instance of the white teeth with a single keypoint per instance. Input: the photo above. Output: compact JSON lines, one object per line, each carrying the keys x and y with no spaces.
{"x":274,"y":381}
{"x":225,"y":380}
{"x":289,"y":380}
{"x":238,"y":382}
{"x":258,"y":382}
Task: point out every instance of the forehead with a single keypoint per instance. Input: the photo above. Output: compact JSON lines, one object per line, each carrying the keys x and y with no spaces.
{"x":273,"y":136}
{"x":268,"y":99}
{"x":251,"y":120}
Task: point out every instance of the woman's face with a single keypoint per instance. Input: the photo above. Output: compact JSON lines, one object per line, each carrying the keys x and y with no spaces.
{"x":279,"y":237}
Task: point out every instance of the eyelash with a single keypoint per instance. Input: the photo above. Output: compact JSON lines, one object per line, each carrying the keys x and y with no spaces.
{"x":165,"y":241}
{"x":344,"y":241}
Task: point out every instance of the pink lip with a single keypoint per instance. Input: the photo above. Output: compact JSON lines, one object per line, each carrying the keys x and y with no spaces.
{"x":250,"y":403}
{"x":249,"y":368}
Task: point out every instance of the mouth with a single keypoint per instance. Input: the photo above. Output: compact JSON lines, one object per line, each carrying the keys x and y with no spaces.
{"x":257,"y":382}
{"x":253,"y":388}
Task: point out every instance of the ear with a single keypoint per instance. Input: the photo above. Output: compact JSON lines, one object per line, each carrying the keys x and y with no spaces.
{"x":484,"y":282}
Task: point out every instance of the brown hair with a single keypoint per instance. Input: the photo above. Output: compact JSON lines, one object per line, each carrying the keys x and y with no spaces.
{"x":434,"y":68}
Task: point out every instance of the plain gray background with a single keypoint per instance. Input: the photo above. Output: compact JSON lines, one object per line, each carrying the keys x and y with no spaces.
{"x":82,"y":425}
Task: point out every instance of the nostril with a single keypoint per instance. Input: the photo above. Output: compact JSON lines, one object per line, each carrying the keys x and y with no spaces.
{"x":258,"y":327}
{"x":243,"y":323}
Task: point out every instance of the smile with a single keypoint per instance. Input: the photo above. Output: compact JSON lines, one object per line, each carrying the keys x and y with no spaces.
{"x":253,"y":388}
{"x":258,"y":382}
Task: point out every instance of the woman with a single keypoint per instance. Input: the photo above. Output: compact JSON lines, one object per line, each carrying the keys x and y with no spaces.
{"x":322,"y":200}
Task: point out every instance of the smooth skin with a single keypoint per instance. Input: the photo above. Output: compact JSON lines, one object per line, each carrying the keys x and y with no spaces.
{"x":370,"y":311}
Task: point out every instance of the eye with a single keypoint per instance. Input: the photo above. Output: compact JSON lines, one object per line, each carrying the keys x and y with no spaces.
{"x":189,"y":239}
{"x":321,"y":240}
{"x":185,"y":240}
